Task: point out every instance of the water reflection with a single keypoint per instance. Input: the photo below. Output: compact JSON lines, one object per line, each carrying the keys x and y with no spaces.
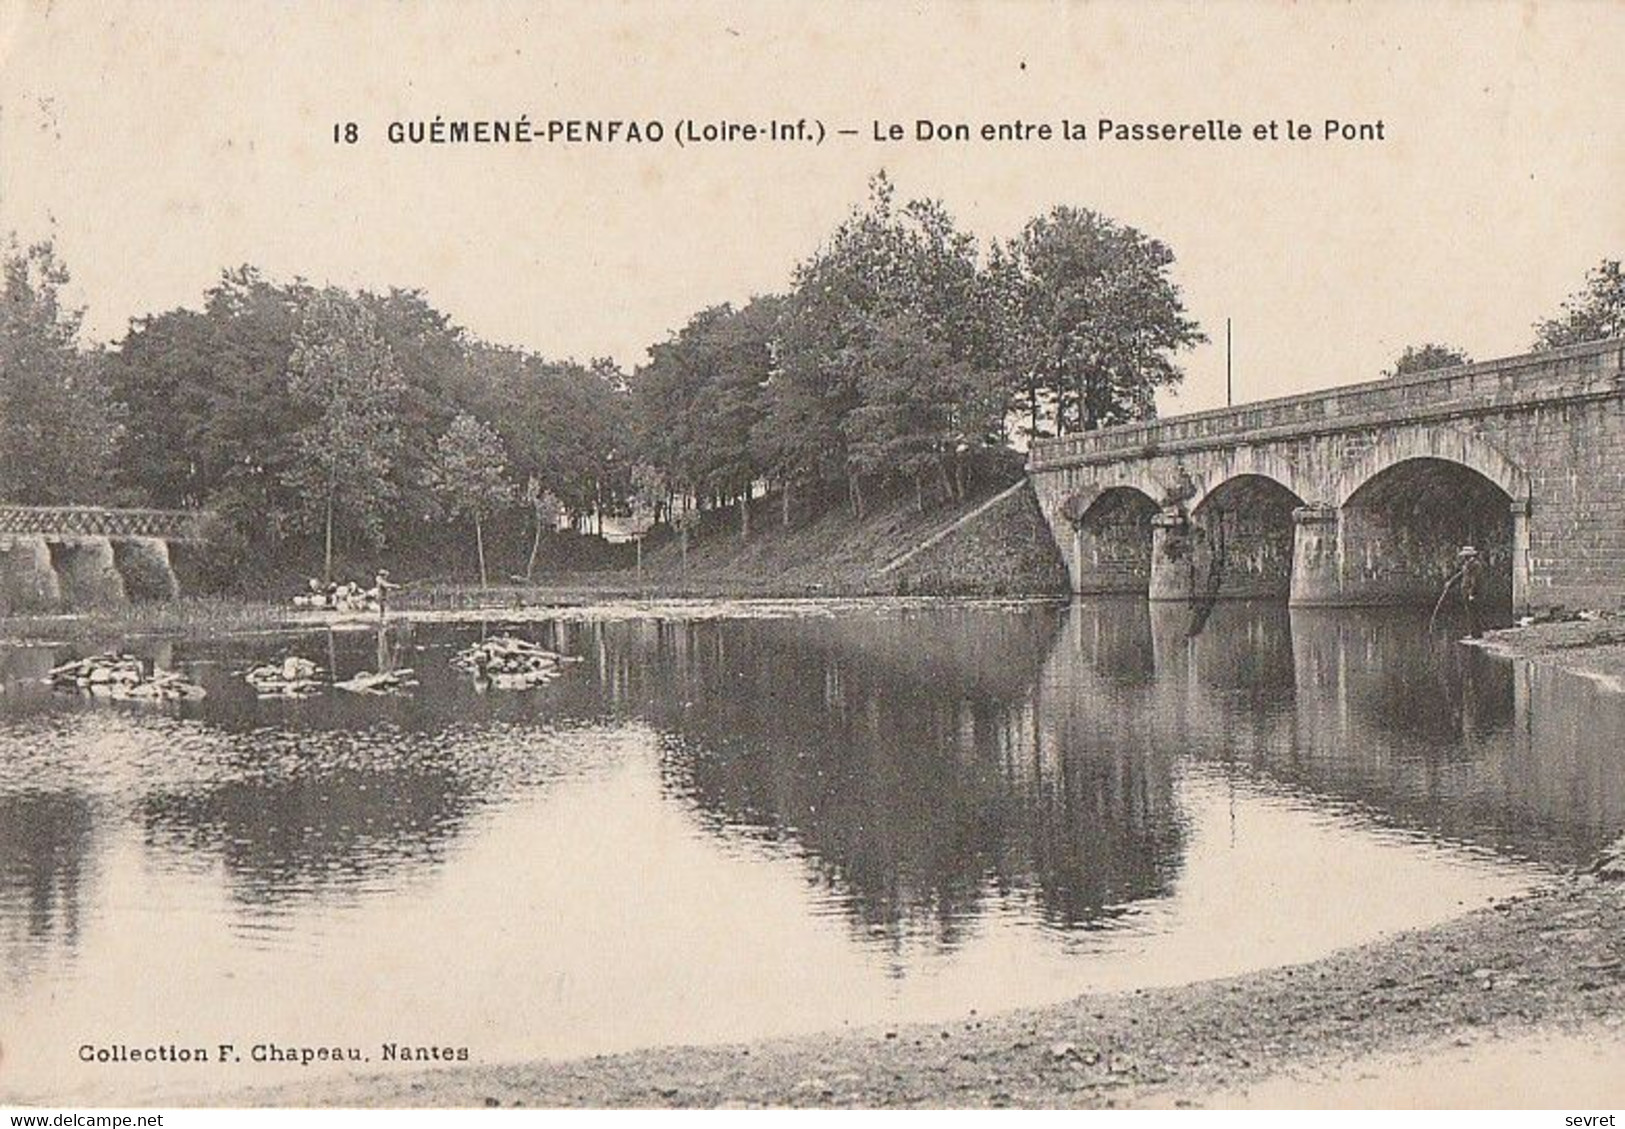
{"x":904,"y":758}
{"x":1367,"y":708}
{"x":980,"y":802}
{"x":283,"y":836}
{"x":45,"y":850}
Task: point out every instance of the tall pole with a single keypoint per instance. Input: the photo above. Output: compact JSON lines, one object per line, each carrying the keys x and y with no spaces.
{"x":1229,"y":398}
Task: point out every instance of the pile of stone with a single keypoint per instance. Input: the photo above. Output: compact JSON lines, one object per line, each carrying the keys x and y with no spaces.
{"x":293,"y":677}
{"x":123,"y":678}
{"x":509,"y":663}
{"x":379,"y":682}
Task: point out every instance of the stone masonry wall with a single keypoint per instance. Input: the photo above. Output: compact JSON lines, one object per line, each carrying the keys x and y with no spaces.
{"x":1548,"y":430}
{"x":1007,"y":550}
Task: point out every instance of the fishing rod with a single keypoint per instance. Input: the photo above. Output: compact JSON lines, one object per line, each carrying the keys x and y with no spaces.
{"x":1443,"y":592}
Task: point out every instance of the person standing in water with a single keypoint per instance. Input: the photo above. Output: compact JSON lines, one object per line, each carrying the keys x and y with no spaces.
{"x":382,"y":586}
{"x":1472,"y":588}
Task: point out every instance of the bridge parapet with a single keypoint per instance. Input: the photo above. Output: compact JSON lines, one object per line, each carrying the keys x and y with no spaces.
{"x":99,"y":521}
{"x":1579,"y":372}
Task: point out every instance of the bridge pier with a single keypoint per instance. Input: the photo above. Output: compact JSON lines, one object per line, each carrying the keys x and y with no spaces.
{"x":145,"y":565}
{"x":1520,"y":557}
{"x":1317,"y":556}
{"x":54,"y":557}
{"x":28,"y":581}
{"x":88,"y":572}
{"x":1181,"y":557}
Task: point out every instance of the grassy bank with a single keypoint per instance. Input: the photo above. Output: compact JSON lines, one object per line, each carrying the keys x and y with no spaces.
{"x":1002,"y":550}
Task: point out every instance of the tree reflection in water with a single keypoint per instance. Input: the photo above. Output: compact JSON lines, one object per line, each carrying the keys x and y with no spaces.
{"x":45,"y":865}
{"x":928,"y":765}
{"x":914,"y":764}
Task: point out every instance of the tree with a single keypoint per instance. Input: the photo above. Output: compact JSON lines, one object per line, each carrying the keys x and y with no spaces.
{"x":1593,"y":314}
{"x":210,"y":418}
{"x":468,"y":474}
{"x":562,"y":422}
{"x":438,"y":381}
{"x":1092,"y":318}
{"x":164,"y":376}
{"x":700,"y":396}
{"x":58,"y":425}
{"x":649,"y":491}
{"x":791,"y":410}
{"x":546,"y":510}
{"x":1426,"y":358}
{"x":915,"y":397}
{"x":884,"y":263}
{"x":344,"y":381}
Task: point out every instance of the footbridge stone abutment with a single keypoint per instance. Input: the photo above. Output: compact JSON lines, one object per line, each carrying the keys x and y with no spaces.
{"x":1363,"y":494}
{"x":87,"y":572}
{"x":55,"y":558}
{"x":28,"y":580}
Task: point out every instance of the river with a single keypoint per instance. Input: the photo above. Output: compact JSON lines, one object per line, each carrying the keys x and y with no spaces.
{"x":740,"y":820}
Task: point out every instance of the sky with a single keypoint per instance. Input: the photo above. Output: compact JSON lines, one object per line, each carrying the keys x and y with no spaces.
{"x":160,"y":142}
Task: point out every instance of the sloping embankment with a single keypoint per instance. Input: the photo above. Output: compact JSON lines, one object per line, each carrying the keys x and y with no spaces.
{"x":998,"y":545}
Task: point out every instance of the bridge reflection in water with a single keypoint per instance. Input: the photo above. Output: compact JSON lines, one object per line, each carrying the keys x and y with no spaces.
{"x":959,"y":791}
{"x":1367,"y":708}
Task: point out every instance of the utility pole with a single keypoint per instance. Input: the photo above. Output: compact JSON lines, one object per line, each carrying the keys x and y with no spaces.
{"x":1229,"y":398}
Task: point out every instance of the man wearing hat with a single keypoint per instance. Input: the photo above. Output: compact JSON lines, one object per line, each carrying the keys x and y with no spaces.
{"x":382,"y":586}
{"x":1472,"y":586}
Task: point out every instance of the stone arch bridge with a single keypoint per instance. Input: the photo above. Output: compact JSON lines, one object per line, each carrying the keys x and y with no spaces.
{"x":54,"y":557}
{"x":1361,"y":494}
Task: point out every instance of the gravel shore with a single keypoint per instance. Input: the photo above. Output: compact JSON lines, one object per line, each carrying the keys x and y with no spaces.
{"x":1545,"y":967}
{"x":1594,"y":648}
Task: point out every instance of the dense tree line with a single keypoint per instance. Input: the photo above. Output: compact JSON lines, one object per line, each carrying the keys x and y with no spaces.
{"x":320,"y":422}
{"x":313,"y":420}
{"x":904,"y":358}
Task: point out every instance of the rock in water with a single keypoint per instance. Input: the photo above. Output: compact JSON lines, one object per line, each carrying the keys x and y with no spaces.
{"x":510,"y":663}
{"x":1610,"y":865}
{"x":293,"y":677}
{"x":122,"y":678}
{"x":379,"y":682}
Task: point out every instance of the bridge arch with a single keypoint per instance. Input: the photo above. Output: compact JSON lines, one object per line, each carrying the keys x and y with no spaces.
{"x":1445,"y":444}
{"x":1102,"y":503}
{"x":1251,"y":463}
{"x":1244,"y":526}
{"x":1111,"y":538}
{"x":1402,"y":528}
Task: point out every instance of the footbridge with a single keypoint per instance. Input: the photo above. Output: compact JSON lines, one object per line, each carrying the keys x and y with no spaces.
{"x":1362,"y":494}
{"x":55,"y":557}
